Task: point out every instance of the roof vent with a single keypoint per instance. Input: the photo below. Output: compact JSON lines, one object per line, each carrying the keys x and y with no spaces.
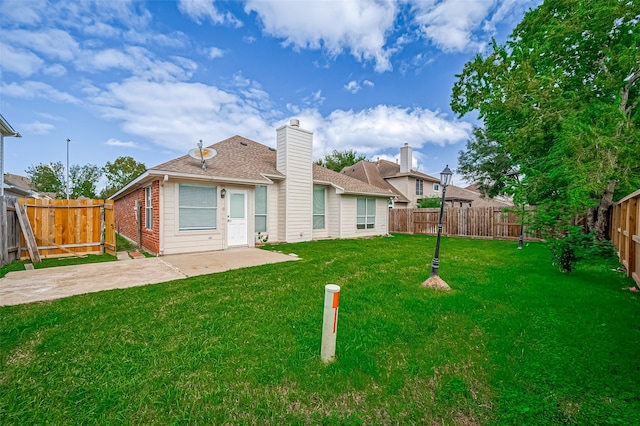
{"x":294,"y":122}
{"x":243,"y":143}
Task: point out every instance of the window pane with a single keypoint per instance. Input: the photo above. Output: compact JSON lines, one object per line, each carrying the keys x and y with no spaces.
{"x":261,"y":223}
{"x":362,"y":206}
{"x":318,"y":200}
{"x":318,"y":222}
{"x":198,"y":196}
{"x":197,"y":207}
{"x":261,"y":200}
{"x":191,"y":219}
{"x":236,"y":210}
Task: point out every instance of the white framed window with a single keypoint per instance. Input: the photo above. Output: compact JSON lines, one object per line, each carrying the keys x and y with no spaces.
{"x":261,"y":209}
{"x":319,"y":194}
{"x":197,"y":207}
{"x":366,"y":213}
{"x":436,"y":187}
{"x":419,"y":187}
{"x":148,"y":208}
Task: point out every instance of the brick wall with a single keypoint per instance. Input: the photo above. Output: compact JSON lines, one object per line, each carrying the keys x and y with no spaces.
{"x":126,"y":218}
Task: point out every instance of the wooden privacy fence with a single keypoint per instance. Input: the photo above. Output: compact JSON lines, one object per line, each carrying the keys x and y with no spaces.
{"x":625,"y":233}
{"x":66,"y":227}
{"x":9,"y":231}
{"x":477,"y":222}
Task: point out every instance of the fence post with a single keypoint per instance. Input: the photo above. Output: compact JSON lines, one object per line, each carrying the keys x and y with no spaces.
{"x":4,"y":235}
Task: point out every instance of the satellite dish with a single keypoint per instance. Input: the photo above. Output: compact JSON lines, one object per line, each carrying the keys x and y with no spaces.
{"x":202,"y":154}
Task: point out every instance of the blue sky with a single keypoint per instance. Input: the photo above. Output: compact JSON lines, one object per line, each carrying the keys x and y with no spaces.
{"x":150,"y":79}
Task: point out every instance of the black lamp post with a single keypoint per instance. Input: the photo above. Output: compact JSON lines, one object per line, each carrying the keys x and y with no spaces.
{"x":445,"y":180}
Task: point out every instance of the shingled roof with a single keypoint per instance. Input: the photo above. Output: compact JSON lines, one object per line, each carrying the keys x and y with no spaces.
{"x":367,"y":171}
{"x":348,"y":184}
{"x":242,"y":159}
{"x":237,"y":158}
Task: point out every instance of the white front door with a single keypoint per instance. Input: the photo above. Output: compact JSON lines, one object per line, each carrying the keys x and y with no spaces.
{"x":237,"y":218}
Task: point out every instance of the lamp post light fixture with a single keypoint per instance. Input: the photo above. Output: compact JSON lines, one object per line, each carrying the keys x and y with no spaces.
{"x":434,"y":280}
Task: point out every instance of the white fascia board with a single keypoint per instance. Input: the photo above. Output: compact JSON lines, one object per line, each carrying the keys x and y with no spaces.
{"x":339,"y":189}
{"x":131,"y":184}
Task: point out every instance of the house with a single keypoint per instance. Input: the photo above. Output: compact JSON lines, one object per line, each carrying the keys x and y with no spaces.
{"x":21,"y":187}
{"x":408,"y":186}
{"x":5,"y":131}
{"x":244,"y":192}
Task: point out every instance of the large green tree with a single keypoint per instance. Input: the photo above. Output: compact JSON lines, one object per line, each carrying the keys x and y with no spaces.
{"x":52,"y":178}
{"x":560,"y":98}
{"x":49,"y":178}
{"x":338,"y":160}
{"x":119,"y":173}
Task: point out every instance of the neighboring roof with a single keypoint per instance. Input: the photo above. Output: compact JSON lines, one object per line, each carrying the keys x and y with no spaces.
{"x":18,"y":181}
{"x":455,"y":193}
{"x":389,"y":169}
{"x":368,"y":172}
{"x":239,"y":159}
{"x":348,"y":184}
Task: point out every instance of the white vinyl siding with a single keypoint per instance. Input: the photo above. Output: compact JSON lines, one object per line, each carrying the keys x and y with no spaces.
{"x":319,"y":207}
{"x":148,"y":208}
{"x":366,"y":213}
{"x":197,"y":207}
{"x":261,"y":209}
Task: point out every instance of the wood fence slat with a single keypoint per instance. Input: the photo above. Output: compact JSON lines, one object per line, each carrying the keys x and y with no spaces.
{"x":70,"y":227}
{"x":477,"y":222}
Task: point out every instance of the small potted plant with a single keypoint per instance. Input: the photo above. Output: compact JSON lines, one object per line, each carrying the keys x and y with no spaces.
{"x":262,"y":238}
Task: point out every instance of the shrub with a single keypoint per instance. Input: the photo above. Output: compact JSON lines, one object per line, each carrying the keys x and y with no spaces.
{"x":429,"y":202}
{"x":576,"y":246}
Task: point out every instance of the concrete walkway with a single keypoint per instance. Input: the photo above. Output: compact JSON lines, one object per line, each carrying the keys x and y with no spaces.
{"x":54,"y":283}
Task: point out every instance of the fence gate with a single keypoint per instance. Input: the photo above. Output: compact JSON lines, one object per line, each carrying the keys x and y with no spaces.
{"x":70,"y":227}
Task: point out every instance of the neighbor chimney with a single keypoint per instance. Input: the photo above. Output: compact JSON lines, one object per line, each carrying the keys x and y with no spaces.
{"x":406,"y":158}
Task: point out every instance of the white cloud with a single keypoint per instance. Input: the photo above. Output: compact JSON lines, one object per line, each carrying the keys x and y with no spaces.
{"x":463,"y":25}
{"x":376,"y":129}
{"x":35,"y":89}
{"x":200,"y":10}
{"x":368,"y":83}
{"x":176,"y":115}
{"x":22,"y":12}
{"x":214,"y":52}
{"x":121,"y":144}
{"x":352,"y":87}
{"x":19,"y":61}
{"x":357,"y":26}
{"x":52,"y":43}
{"x":450,"y":24}
{"x":38,"y":128}
{"x":55,"y":70}
{"x":139,"y":62}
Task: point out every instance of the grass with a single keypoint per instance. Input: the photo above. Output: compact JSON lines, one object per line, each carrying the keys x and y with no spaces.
{"x":515,"y":342}
{"x":122,"y":244}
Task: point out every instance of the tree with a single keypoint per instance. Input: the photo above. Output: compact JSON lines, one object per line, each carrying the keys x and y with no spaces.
{"x":429,"y":202}
{"x":338,"y":160}
{"x":48,"y":178}
{"x":119,"y":173}
{"x":560,"y":99}
{"x":84,"y":180}
{"x":52,"y":178}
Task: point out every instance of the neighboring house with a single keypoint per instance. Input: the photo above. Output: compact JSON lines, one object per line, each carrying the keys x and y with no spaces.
{"x":409,"y":186}
{"x":20,"y":187}
{"x":465,"y":197}
{"x":245,"y":189}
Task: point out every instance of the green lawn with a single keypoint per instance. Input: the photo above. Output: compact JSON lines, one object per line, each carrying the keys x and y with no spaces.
{"x":515,"y":342}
